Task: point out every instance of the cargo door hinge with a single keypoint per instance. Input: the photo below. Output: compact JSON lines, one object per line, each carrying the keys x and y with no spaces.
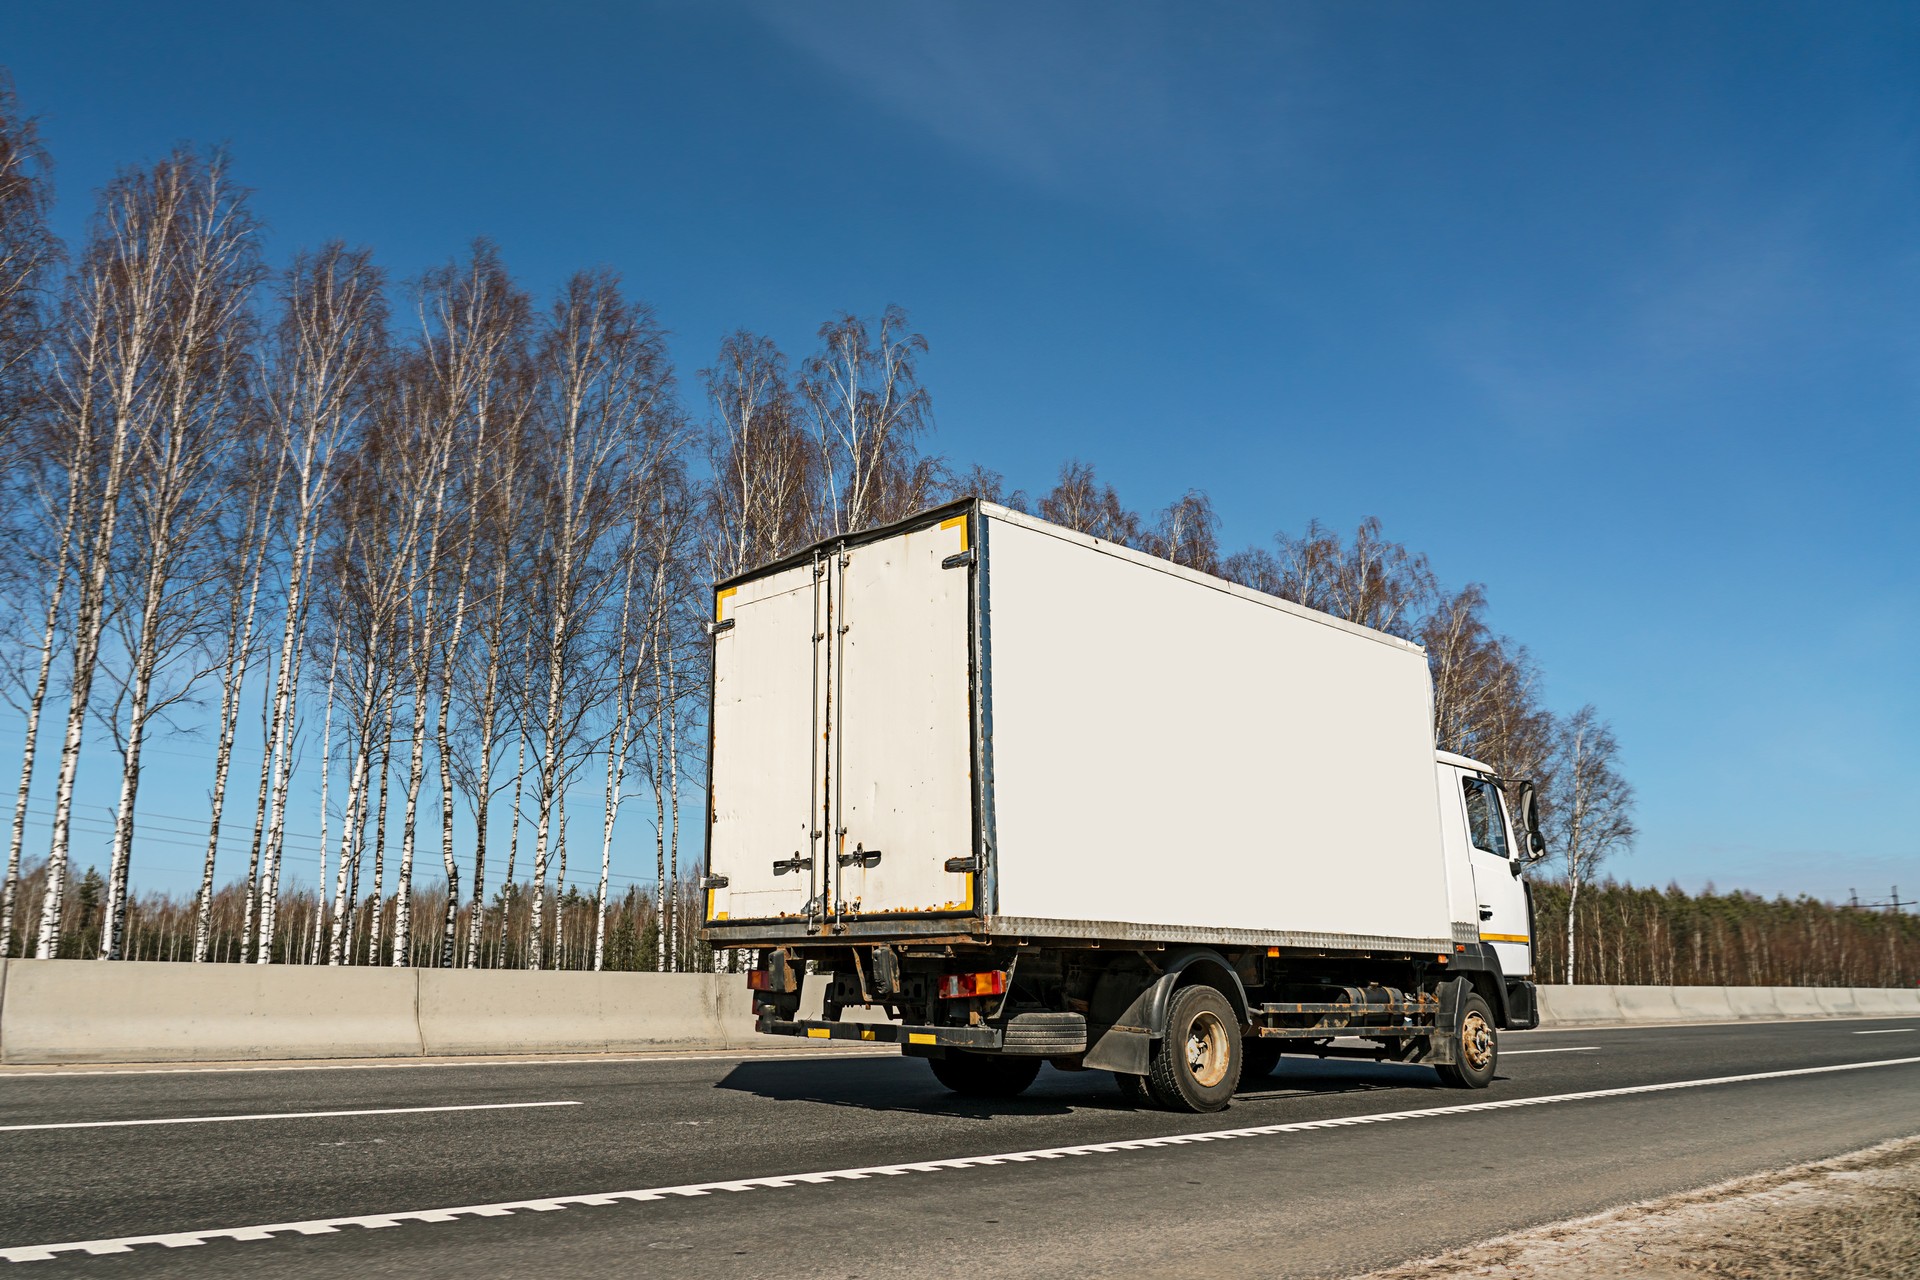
{"x":959,"y":865}
{"x":861,"y":857}
{"x":713,"y":882}
{"x":959,"y":560}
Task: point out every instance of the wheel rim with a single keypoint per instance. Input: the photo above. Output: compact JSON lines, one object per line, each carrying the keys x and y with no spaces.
{"x":1207,"y":1050}
{"x":1476,"y":1041}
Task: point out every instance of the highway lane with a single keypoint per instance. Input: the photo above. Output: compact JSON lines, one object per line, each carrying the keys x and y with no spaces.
{"x":1312,"y":1201}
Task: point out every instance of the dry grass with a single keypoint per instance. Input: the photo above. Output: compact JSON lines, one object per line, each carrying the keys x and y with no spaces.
{"x":1852,"y":1218}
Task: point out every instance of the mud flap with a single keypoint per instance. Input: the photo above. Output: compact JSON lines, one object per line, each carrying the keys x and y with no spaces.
{"x":1443,"y":1046}
{"x":1127,"y":1050}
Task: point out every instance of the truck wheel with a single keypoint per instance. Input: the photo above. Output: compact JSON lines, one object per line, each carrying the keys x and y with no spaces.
{"x":1259,"y":1055}
{"x":1477,"y":1048}
{"x":1196,"y":1065}
{"x":983,"y":1075}
{"x":1133,"y":1090}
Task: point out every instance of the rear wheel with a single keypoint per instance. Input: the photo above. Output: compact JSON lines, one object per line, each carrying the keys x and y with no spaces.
{"x":1196,"y":1065}
{"x":1477,"y":1050}
{"x":983,"y":1075}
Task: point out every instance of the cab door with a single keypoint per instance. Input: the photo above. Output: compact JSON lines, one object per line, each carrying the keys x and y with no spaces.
{"x":1496,"y":860}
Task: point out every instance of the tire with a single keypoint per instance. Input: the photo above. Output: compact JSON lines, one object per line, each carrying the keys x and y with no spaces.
{"x":1259,"y":1055}
{"x":983,"y":1075}
{"x":1133,"y":1090}
{"x":1045,"y":1035}
{"x":1196,"y":1065}
{"x":1477,"y":1048}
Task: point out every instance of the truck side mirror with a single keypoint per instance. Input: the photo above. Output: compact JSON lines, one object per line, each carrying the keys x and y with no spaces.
{"x":1530,"y":822}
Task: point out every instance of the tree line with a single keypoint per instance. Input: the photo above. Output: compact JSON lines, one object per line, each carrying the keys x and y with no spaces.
{"x":1632,"y":936}
{"x":451,"y":544}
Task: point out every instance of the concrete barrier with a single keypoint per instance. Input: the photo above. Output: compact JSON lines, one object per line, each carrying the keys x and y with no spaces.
{"x":1704,"y":1004}
{"x":1651,"y":1004}
{"x":1798,"y":1002}
{"x":1578,"y":1006}
{"x":85,"y":1011}
{"x":1753,"y":1003}
{"x":492,"y":1011}
{"x":158,"y":1011}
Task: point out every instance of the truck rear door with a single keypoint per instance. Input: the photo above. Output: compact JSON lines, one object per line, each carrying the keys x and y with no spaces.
{"x":768,"y":722}
{"x":902,"y":723}
{"x":842,"y":769}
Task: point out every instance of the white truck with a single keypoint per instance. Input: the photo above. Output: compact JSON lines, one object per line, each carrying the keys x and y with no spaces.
{"x":1023,"y":795}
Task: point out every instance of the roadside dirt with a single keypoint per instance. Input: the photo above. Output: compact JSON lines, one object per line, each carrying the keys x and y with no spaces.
{"x":1856,"y":1217}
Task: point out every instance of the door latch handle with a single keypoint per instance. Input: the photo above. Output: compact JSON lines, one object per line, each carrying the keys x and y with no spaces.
{"x":795,"y":863}
{"x":860,"y":857}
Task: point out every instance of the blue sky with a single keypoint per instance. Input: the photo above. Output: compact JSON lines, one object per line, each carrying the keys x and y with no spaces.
{"x":1612,"y":308}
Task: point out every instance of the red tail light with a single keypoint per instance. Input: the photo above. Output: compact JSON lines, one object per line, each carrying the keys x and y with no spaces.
{"x":961,"y":986}
{"x":759,"y":980}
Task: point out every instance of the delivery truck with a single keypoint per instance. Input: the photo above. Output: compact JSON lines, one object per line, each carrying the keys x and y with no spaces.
{"x":1003,"y":793}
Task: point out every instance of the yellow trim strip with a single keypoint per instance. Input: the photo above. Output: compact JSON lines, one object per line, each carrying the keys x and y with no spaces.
{"x":1504,"y":937}
{"x":866,"y":1035}
{"x":960,"y":523}
{"x":720,"y":602}
{"x":818,"y":1033}
{"x":915,"y":1037}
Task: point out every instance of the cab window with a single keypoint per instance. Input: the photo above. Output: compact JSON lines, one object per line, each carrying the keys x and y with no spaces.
{"x":1485,"y":824}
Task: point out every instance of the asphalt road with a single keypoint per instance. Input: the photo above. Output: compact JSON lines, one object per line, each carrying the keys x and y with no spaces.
{"x":1323,"y":1172}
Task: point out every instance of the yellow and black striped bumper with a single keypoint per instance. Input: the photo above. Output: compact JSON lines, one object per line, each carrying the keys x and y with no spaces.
{"x":883,"y":1033}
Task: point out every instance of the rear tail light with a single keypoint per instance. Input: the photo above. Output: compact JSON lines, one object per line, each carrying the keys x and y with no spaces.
{"x":962,"y":986}
{"x":759,"y":980}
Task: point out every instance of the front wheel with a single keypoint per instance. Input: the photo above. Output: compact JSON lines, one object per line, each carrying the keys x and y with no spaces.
{"x":984,"y":1075}
{"x":1477,"y":1051}
{"x":1196,"y":1065}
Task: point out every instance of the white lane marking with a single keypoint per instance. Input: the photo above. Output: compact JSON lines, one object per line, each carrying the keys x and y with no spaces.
{"x":506,"y":1208}
{"x":1572,"y":1048}
{"x":1886,"y":1031}
{"x":281,"y":1115}
{"x":747,"y":1055}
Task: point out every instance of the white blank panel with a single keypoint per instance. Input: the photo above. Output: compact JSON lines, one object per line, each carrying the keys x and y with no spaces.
{"x":1170,"y":752}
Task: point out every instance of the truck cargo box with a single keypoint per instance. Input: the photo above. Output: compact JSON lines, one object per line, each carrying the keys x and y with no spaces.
{"x":980,"y":724}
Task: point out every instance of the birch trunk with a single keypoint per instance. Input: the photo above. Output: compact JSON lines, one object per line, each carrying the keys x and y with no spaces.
{"x":56,"y":592}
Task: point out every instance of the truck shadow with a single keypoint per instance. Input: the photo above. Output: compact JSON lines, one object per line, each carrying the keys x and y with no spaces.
{"x":905,"y":1085}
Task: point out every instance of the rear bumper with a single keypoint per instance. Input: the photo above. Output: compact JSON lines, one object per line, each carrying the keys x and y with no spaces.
{"x":882,"y":1033}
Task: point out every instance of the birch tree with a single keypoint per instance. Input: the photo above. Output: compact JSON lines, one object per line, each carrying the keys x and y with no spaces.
{"x":476,"y":352}
{"x":1081,"y":502}
{"x":38,"y":571}
{"x":607,"y":410}
{"x":868,"y":410}
{"x":765,"y":474}
{"x":330,"y":341}
{"x":1590,"y":816}
{"x":183,"y":456}
{"x":106,"y":375}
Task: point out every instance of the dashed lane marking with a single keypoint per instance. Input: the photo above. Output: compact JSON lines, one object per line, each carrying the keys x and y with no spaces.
{"x":280,"y":1115}
{"x":1886,"y":1031}
{"x":1572,"y":1048}
{"x":506,"y":1208}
